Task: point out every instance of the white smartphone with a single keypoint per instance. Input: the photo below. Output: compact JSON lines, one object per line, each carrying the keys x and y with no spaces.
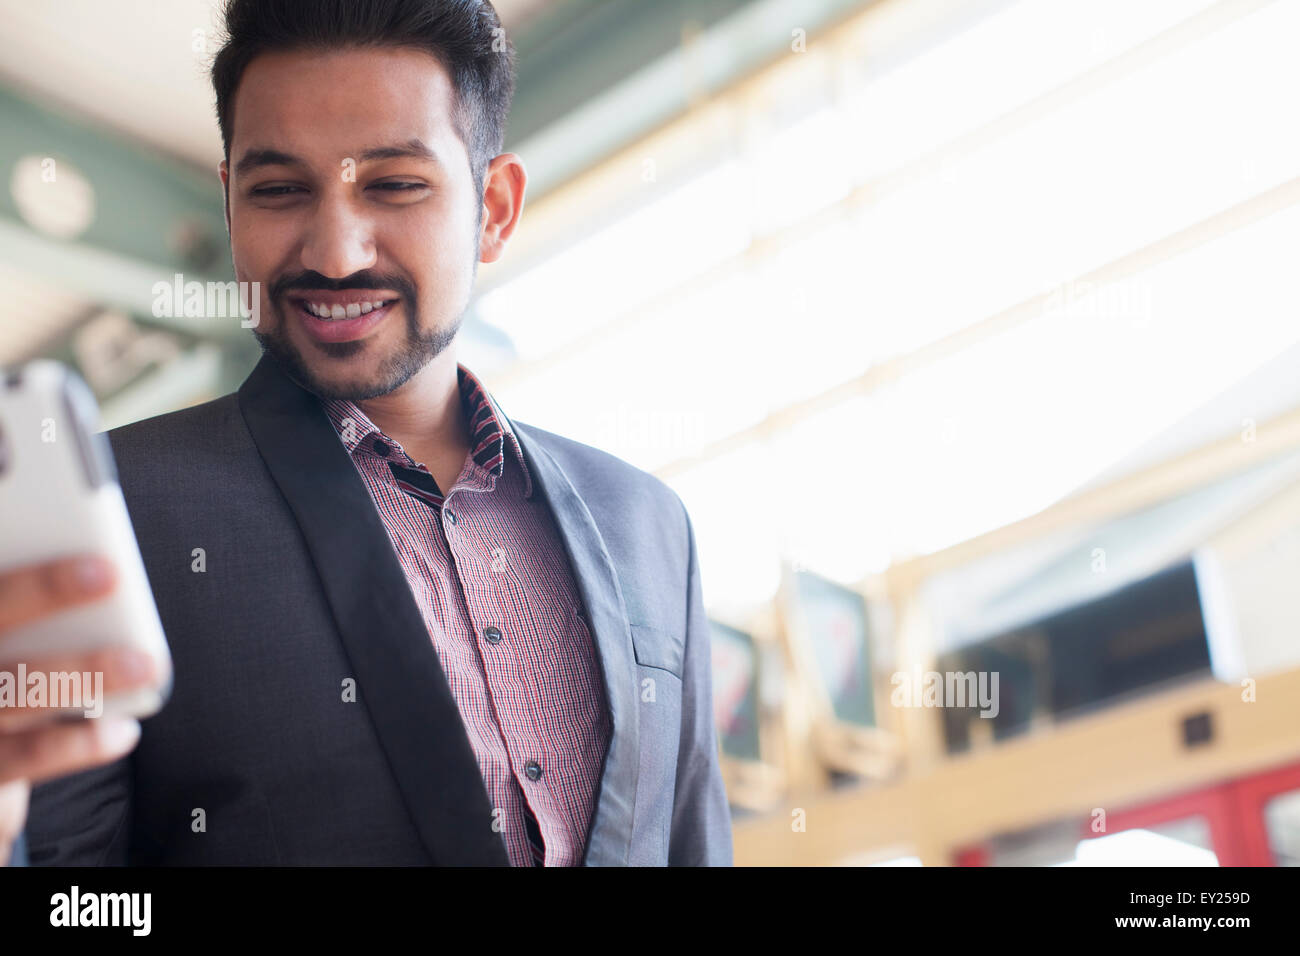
{"x":59,"y":496}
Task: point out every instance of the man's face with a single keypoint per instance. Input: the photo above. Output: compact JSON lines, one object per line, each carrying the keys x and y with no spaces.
{"x":322,"y":214}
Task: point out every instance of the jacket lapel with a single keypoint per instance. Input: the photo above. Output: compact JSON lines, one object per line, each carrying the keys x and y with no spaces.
{"x":610,"y":837}
{"x":399,"y":679}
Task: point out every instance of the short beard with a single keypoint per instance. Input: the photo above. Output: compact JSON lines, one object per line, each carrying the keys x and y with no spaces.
{"x":395,"y":371}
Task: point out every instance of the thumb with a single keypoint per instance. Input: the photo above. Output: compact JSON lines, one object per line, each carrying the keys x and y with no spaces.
{"x":13,"y":815}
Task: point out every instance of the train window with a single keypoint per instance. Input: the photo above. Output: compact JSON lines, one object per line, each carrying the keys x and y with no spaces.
{"x":1282,"y":821}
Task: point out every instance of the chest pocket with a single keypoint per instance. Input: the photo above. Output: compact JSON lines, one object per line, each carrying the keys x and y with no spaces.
{"x":657,"y":646}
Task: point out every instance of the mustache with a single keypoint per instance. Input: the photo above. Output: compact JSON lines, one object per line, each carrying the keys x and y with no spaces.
{"x":314,"y":281}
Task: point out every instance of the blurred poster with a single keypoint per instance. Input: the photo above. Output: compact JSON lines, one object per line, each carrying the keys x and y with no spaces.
{"x":834,"y":622}
{"x":735,"y":691}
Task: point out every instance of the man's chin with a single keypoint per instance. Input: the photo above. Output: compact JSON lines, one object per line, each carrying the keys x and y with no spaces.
{"x":326,"y":383}
{"x":338,"y":370}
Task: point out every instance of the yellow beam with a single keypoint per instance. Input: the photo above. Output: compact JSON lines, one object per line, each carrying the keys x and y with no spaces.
{"x":1123,"y":756}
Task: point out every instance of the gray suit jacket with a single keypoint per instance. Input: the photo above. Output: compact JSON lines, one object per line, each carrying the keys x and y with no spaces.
{"x":256,"y":759}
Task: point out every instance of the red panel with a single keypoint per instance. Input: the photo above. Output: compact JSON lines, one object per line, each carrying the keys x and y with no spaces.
{"x":1251,"y":795}
{"x":1234,"y":811}
{"x":971,"y":856}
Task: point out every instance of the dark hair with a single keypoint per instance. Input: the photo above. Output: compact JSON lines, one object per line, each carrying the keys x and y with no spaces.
{"x":465,"y":35}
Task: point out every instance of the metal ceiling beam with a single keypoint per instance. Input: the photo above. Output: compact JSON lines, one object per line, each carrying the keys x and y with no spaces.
{"x":632,"y":52}
{"x":149,"y":209}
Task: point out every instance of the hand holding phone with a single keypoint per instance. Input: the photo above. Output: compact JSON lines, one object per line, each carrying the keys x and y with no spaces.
{"x":32,"y":746}
{"x":59,"y":497}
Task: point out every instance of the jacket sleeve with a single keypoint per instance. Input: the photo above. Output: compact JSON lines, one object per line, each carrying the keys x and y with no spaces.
{"x":18,"y":854}
{"x":701,"y":823}
{"x":83,"y":819}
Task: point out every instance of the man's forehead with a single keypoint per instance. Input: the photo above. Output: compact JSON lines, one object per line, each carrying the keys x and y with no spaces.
{"x":301,"y":101}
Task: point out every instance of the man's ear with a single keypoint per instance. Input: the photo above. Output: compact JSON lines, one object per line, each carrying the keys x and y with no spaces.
{"x":223,"y":173}
{"x":503,"y":205}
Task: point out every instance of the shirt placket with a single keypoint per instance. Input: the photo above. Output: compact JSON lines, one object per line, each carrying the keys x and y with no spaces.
{"x":497,"y":674}
{"x":503,"y":671}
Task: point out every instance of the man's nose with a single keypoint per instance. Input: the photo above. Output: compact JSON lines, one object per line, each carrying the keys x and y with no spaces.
{"x":339,"y":242}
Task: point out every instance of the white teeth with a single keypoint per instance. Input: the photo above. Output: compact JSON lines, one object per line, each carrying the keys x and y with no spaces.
{"x":351,"y":311}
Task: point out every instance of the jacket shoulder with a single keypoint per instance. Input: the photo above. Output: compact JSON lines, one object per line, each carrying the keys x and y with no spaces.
{"x":598,"y":473}
{"x":188,"y":422}
{"x":158,"y":456}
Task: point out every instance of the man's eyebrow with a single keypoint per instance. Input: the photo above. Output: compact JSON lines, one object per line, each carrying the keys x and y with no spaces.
{"x":413,"y":148}
{"x":265,"y":157}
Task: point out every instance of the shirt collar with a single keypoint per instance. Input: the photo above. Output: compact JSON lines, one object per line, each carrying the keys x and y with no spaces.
{"x":490,"y":432}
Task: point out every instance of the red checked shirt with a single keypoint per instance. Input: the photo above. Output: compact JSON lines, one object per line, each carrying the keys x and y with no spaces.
{"x":490,"y":574}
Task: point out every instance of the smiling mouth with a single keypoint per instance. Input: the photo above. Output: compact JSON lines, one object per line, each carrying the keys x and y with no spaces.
{"x":336,"y":312}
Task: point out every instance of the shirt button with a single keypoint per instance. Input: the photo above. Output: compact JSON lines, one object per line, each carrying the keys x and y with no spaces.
{"x":492,"y":634}
{"x":451,"y":516}
{"x":382,"y":449}
{"x":533,"y":769}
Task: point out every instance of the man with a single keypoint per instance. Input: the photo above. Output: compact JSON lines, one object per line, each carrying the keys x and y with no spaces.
{"x":405,"y":629}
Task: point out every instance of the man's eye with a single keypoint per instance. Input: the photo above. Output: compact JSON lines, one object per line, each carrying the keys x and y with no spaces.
{"x":400,"y":187}
{"x":273,"y":190}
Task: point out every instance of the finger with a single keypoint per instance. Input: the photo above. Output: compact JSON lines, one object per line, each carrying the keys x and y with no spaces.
{"x":29,"y":593}
{"x":120,"y":665}
{"x":52,"y":751}
{"x":13,"y":812}
{"x":75,"y":683}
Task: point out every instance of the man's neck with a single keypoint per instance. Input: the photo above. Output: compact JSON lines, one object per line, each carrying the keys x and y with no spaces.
{"x":426,"y":417}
